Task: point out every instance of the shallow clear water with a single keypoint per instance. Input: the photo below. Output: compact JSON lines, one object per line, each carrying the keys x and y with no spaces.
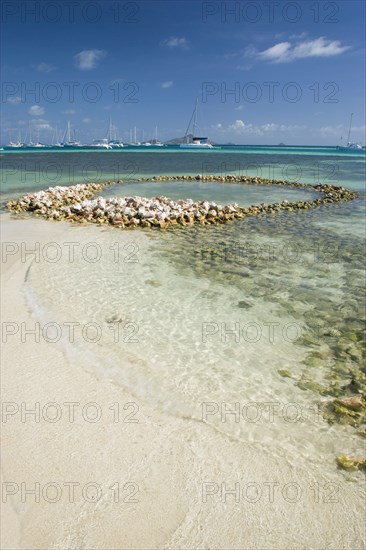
{"x":244,"y":195}
{"x":212,"y":314}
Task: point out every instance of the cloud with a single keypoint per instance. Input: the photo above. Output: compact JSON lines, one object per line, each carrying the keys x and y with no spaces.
{"x":69,"y":112}
{"x":45,"y":67}
{"x":86,"y":120}
{"x":14,"y":100}
{"x":283,"y":52}
{"x":36,"y":110}
{"x":240,"y":108}
{"x":167,"y":84}
{"x":240,"y":127}
{"x":175,"y":42}
{"x":88,"y":59}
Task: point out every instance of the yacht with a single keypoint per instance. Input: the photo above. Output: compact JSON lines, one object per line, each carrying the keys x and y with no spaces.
{"x":134,"y":142}
{"x":112,"y":136}
{"x":197,"y":142}
{"x":70,"y":143}
{"x":17,"y":144}
{"x":155,"y":142}
{"x":350,"y":145}
{"x":116,"y":144}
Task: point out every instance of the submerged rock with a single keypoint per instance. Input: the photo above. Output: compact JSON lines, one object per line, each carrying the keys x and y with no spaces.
{"x":347,"y":463}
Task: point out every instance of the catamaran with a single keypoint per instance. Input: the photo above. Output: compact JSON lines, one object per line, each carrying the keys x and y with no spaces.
{"x":112,"y":136}
{"x":349,"y":145}
{"x":197,"y":142}
{"x":101,"y":144}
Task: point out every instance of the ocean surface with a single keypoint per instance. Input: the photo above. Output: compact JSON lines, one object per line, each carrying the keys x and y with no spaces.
{"x":269,"y":309}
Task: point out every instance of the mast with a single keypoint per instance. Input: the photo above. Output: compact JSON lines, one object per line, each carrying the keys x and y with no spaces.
{"x":349,"y":131}
{"x":68,"y":132}
{"x":30,"y":133}
{"x":195,"y":119}
{"x":135,"y":139}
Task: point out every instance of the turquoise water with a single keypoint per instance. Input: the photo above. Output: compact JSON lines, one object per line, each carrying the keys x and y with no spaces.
{"x":32,"y":170}
{"x":244,"y":195}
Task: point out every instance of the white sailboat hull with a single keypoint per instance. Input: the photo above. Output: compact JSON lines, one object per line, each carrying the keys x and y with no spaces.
{"x":196,"y":146}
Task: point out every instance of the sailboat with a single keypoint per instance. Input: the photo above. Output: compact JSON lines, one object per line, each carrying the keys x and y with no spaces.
{"x":155,"y":142}
{"x":350,"y":145}
{"x":38,"y":144}
{"x":70,"y":143}
{"x":112,"y":138}
{"x":145,"y":143}
{"x":55,"y":139}
{"x":197,"y":142}
{"x":17,"y":144}
{"x":134,"y":143}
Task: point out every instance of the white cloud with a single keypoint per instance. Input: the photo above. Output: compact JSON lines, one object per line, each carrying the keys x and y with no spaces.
{"x":86,"y":120}
{"x":240,"y":108}
{"x":14,"y":100}
{"x":45,"y":67}
{"x":279,"y":52}
{"x":284,"y":52}
{"x":167,"y":84}
{"x":175,"y":42}
{"x":88,"y":59}
{"x":36,"y":110}
{"x":69,"y":112}
{"x":240,"y":127}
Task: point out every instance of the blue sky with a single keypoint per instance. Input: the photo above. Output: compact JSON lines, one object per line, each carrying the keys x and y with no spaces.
{"x":296,"y":70}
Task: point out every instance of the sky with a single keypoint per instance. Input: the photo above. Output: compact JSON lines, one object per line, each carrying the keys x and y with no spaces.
{"x":264,"y":72}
